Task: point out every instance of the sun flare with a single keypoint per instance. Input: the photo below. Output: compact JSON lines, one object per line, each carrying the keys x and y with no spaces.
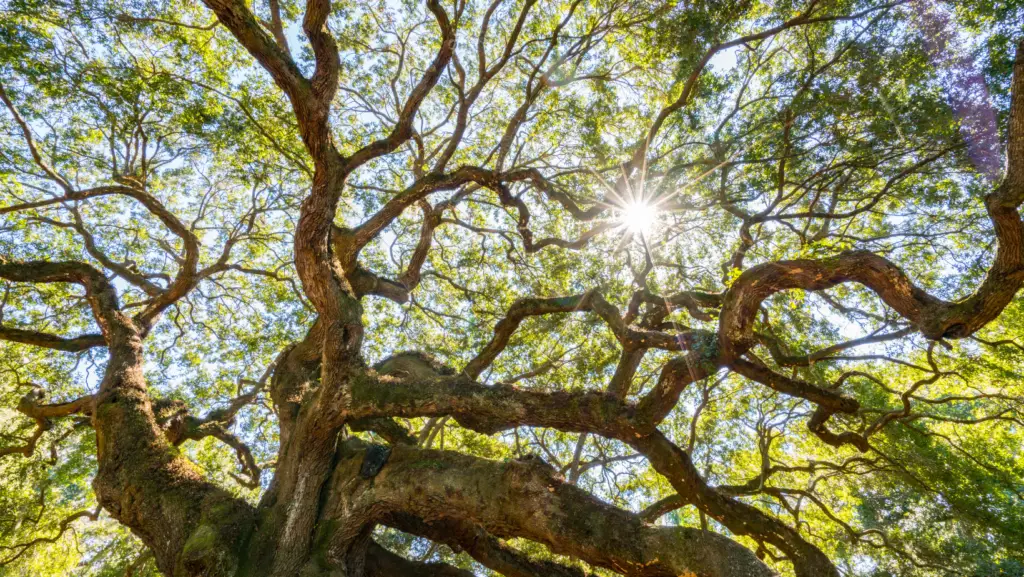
{"x":639,"y":217}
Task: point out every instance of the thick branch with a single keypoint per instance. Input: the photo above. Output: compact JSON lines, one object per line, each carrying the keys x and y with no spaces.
{"x":237,"y":18}
{"x":48,"y":341}
{"x":488,"y":409}
{"x":934,"y":317}
{"x":549,"y":511}
{"x":99,"y":292}
{"x":482,"y":546}
{"x":383,"y":563}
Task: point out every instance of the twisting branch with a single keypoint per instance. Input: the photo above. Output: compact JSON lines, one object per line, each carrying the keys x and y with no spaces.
{"x":99,"y":292}
{"x":488,"y":409}
{"x":187,"y":274}
{"x":26,"y":133}
{"x":805,"y":18}
{"x":179,"y":426}
{"x":402,"y":131}
{"x":17,"y":551}
{"x":933,"y":317}
{"x":462,"y":486}
{"x":237,"y":18}
{"x":519,"y":311}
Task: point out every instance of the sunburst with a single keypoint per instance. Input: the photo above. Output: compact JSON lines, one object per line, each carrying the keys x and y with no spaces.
{"x":638,"y":216}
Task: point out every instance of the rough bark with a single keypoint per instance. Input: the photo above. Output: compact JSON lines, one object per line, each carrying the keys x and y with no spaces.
{"x":524,"y":498}
{"x":330,"y":490}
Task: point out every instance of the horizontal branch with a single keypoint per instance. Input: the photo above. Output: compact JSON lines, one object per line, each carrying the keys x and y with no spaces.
{"x":831,"y":400}
{"x":488,"y":550}
{"x":383,"y":563}
{"x":48,"y":341}
{"x":99,"y":291}
{"x":488,"y":409}
{"x":559,"y":515}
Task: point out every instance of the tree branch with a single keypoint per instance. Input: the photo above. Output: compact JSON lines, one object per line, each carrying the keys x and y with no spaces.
{"x":564,"y":518}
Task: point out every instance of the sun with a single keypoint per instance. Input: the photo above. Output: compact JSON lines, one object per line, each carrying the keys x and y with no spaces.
{"x":638,"y":217}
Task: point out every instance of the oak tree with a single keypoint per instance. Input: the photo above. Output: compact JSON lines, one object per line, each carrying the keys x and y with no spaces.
{"x":519,"y":287}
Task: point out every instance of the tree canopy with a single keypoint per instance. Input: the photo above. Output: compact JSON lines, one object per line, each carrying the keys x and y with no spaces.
{"x":723,"y":288}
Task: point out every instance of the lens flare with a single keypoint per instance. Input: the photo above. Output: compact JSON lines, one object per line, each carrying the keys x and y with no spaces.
{"x":639,"y":217}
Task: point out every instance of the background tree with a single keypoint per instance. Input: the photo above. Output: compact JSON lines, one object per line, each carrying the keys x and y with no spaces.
{"x":720,"y":287}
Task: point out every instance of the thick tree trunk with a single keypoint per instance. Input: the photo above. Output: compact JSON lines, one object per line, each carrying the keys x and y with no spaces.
{"x":330,"y":491}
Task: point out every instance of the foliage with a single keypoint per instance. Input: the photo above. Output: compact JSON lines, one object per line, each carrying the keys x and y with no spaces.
{"x":822,"y":137}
